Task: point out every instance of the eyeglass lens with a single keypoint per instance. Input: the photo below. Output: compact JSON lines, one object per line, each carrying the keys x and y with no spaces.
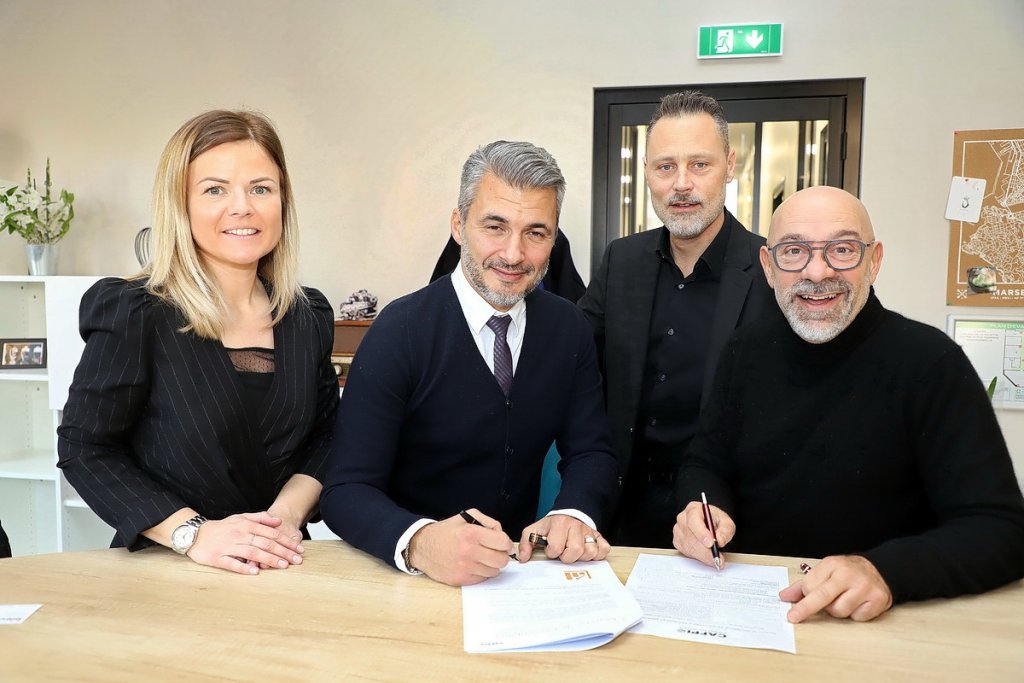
{"x":839,"y":254}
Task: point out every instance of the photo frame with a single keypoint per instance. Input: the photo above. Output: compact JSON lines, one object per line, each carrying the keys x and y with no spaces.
{"x":22,"y":354}
{"x":995,"y":346}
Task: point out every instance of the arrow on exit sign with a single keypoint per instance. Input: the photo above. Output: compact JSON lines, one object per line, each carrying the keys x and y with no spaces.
{"x":723,"y":41}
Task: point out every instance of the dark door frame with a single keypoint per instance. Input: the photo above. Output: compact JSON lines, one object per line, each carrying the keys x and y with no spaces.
{"x":612,"y":104}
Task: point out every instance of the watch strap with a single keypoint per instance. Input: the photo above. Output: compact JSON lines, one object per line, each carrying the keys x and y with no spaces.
{"x":195,"y":522}
{"x":405,"y":558}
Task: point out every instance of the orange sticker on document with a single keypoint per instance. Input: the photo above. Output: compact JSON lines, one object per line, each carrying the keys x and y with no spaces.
{"x":576,"y":575}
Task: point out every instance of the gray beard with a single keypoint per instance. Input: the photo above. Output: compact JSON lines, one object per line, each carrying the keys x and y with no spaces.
{"x":688,"y":228}
{"x":827,"y":325}
{"x":495,"y":298}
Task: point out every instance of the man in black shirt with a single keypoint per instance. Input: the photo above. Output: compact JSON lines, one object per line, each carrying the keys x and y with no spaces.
{"x":839,"y":429}
{"x":663,"y":302}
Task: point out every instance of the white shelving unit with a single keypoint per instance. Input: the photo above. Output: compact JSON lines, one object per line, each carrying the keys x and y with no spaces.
{"x":41,"y":513}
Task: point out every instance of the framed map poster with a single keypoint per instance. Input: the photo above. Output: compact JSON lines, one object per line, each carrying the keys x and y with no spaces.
{"x":993,"y":345}
{"x":986,"y":259}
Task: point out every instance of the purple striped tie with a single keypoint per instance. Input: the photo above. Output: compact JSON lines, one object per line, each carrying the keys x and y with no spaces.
{"x":502,"y":353}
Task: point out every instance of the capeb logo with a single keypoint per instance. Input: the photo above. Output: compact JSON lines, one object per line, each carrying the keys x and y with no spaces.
{"x":577,"y":575}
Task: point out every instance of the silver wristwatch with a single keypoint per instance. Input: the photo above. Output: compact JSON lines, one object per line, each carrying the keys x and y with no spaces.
{"x":184,"y":536}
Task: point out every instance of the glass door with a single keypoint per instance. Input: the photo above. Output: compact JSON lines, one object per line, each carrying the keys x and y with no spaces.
{"x":787,"y":137}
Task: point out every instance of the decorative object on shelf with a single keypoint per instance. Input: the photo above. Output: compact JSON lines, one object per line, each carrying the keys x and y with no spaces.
{"x":42,"y":220}
{"x":342,"y":362}
{"x":360,"y":305}
{"x":42,"y":258}
{"x":23,"y":354}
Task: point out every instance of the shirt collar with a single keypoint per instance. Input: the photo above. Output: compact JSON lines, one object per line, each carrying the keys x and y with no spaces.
{"x":476,"y":310}
{"x":713,"y":256}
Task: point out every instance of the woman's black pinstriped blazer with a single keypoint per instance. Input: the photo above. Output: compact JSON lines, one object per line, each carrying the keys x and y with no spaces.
{"x":156,"y":419}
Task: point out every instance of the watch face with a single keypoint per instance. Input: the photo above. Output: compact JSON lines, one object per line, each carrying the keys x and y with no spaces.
{"x":183,"y":537}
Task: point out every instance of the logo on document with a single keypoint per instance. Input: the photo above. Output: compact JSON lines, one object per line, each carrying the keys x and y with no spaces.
{"x":576,"y":575}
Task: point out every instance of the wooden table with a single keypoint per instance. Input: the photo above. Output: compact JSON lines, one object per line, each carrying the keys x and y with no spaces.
{"x":342,"y":616}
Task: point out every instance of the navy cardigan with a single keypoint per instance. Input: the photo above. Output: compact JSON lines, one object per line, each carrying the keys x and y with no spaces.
{"x":424,"y":430}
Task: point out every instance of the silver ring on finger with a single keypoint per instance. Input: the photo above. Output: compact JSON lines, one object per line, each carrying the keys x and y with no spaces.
{"x":589,"y":539}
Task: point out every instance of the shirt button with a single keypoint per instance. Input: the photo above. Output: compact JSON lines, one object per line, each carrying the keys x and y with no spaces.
{"x":661,"y":377}
{"x":654,"y":421}
{"x":671,"y":331}
{"x":681,"y":285}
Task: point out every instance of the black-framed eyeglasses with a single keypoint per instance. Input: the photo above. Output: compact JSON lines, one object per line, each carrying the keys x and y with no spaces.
{"x":792,"y":257}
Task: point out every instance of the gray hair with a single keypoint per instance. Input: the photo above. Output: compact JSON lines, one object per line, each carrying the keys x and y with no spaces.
{"x":520,"y":164}
{"x":689,"y":102}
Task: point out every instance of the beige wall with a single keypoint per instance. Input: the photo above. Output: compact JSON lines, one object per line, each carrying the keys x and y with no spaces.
{"x":379,"y":102}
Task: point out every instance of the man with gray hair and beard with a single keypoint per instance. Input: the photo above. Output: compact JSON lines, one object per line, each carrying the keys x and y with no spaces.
{"x":662,"y":304}
{"x":840,"y":429}
{"x":459,"y":389}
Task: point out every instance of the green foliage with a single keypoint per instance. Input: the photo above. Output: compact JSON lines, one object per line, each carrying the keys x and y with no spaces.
{"x":38,"y":218}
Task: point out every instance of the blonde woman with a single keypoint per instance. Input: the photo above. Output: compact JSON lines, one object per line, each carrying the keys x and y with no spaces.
{"x":201,"y":412}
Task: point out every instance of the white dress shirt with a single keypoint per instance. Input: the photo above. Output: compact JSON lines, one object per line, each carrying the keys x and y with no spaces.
{"x":477,"y":312}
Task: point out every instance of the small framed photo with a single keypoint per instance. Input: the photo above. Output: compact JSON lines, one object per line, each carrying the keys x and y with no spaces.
{"x":23,"y":354}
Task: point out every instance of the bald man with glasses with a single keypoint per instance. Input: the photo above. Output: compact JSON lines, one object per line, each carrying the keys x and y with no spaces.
{"x":845,"y":431}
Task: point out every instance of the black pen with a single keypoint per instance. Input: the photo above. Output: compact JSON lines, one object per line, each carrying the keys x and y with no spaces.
{"x":711,"y":525}
{"x":470,"y":519}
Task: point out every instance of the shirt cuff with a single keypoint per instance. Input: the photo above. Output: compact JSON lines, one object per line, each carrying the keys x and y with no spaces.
{"x":569,"y":512}
{"x":404,"y":541}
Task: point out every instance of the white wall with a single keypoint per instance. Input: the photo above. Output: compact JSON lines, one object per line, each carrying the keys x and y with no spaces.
{"x":378,"y":104}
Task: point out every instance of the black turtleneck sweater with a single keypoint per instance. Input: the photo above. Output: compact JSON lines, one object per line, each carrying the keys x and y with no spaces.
{"x":881,"y":443}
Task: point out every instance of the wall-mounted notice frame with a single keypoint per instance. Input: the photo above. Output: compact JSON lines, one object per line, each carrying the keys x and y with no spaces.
{"x":993,"y":344}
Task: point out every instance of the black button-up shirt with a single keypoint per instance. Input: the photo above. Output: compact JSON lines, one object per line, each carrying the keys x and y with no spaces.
{"x":677,"y":352}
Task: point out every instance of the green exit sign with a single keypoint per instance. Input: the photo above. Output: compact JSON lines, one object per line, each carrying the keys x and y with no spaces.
{"x":739,"y":40}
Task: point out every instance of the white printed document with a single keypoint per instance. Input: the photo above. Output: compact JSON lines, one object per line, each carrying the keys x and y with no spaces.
{"x":16,"y":614}
{"x":545,"y":606}
{"x":686,"y":600}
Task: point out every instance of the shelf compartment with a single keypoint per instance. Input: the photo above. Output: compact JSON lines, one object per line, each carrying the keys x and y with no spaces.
{"x":23,"y":314}
{"x":30,"y":516}
{"x":28,"y":423}
{"x":34,"y":464}
{"x":83,"y":530}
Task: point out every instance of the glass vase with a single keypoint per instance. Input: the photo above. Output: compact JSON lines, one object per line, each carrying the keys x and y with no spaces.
{"x":42,"y":258}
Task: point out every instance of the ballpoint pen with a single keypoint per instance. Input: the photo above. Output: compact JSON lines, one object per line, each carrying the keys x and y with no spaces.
{"x":470,"y":519}
{"x":711,"y":525}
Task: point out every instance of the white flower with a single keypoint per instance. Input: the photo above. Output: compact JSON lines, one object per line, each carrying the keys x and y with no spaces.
{"x":39,"y":218}
{"x":32,"y":200}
